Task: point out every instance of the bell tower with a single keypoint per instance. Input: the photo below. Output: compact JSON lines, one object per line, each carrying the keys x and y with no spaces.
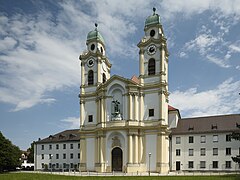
{"x":153,"y":76}
{"x":95,"y":66}
{"x":153,"y":61}
{"x":153,"y":54}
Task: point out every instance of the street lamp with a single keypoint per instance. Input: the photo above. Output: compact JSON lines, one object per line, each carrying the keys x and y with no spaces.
{"x":51,"y":156}
{"x":149,"y":157}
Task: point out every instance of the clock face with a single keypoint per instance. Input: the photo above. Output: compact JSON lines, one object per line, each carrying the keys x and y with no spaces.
{"x":90,"y":62}
{"x":151,"y":49}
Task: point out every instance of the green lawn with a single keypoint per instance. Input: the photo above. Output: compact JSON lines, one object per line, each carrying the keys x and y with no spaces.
{"x":38,"y":176}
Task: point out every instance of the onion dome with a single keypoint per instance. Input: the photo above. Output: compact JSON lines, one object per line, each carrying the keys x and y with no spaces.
{"x":153,"y":19}
{"x":95,"y":35}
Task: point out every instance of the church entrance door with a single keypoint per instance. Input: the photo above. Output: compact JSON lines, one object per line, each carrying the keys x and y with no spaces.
{"x":117,"y":159}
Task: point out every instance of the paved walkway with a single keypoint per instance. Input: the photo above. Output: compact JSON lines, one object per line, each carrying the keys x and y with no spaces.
{"x":134,"y":174}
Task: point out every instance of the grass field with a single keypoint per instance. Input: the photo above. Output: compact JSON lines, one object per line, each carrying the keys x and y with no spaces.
{"x":38,"y":176}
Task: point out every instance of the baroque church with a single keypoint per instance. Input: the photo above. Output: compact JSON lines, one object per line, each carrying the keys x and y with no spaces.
{"x":124,"y":122}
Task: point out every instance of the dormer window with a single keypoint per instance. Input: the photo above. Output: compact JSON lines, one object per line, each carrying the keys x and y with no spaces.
{"x":214,"y":126}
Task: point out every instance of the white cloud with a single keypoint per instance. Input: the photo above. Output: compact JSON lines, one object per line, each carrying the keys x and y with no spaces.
{"x":224,"y":99}
{"x":235,"y":48}
{"x":41,"y":61}
{"x":211,"y":47}
{"x":71,"y":123}
{"x":203,"y":43}
{"x":7,"y":43}
{"x":191,"y":7}
{"x":220,"y":62}
{"x":182,"y":54}
{"x":44,"y":58}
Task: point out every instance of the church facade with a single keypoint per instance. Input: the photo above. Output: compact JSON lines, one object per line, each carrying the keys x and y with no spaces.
{"x":124,"y":122}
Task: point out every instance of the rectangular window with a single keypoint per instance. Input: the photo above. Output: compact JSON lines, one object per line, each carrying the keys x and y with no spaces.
{"x":228,"y":137}
{"x":71,"y":146}
{"x":215,"y":151}
{"x":203,"y":139}
{"x":178,"y":140}
{"x":190,"y":164}
{"x":202,"y":151}
{"x":42,"y":156}
{"x":71,"y":156}
{"x":90,"y":118}
{"x":50,"y":165}
{"x":190,"y":139}
{"x":228,"y":151}
{"x":215,"y":164}
{"x":64,"y":156}
{"x":64,"y":146}
{"x":64,"y":165}
{"x":215,"y":138}
{"x":50,"y":146}
{"x":57,"y":165}
{"x":178,"y":152}
{"x":151,"y":112}
{"x":49,"y":156}
{"x":190,"y":152}
{"x":78,"y":155}
{"x":228,"y":165}
{"x":71,"y":165}
{"x":42,"y":147}
{"x":57,"y":146}
{"x":57,"y":156}
{"x":202,"y":164}
{"x":42,"y":165}
{"x":78,"y":145}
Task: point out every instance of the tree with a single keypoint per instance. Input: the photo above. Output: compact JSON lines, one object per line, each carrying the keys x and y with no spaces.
{"x":31,"y":153}
{"x":236,"y":136}
{"x":9,"y":155}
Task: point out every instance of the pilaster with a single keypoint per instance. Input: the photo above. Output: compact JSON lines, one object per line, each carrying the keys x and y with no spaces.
{"x":136,"y":106}
{"x":82,"y":113}
{"x":130,"y":106}
{"x":83,"y":154}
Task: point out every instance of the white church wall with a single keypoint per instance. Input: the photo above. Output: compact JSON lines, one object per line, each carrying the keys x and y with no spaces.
{"x":90,"y":153}
{"x":172,"y":119}
{"x":151,"y":147}
{"x":90,"y":89}
{"x":90,"y":109}
{"x":151,"y":102}
{"x":151,"y":79}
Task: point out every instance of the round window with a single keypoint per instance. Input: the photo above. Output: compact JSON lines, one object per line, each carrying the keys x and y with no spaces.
{"x":152,"y":33}
{"x":92,"y":47}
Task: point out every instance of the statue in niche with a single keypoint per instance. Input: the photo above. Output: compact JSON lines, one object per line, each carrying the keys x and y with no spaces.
{"x":116,"y":115}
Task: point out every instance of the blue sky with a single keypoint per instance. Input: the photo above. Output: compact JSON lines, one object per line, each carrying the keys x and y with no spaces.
{"x":40,"y":42}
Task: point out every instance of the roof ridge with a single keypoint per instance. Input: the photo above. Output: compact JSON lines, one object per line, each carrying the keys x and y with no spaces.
{"x":200,"y":117}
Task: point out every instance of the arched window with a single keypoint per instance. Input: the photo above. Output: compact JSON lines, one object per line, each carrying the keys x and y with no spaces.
{"x":90,"y":77}
{"x":104,"y":78}
{"x":151,"y":67}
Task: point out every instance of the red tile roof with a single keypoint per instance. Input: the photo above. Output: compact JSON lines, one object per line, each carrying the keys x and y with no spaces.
{"x":135,"y":79}
{"x":170,"y":108}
